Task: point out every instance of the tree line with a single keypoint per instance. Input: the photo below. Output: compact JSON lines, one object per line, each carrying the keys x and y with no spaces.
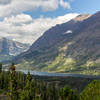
{"x":18,"y":86}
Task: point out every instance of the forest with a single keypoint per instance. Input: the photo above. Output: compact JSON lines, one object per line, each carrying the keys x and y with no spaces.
{"x":18,"y":86}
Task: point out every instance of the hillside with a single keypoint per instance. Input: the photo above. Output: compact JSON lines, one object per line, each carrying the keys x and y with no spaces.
{"x":71,"y":47}
{"x":9,"y":49}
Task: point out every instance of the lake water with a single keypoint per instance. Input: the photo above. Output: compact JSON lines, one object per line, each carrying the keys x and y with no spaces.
{"x":57,"y":74}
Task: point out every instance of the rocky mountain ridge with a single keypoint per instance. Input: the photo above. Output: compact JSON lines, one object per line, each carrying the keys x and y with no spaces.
{"x":9,"y":48}
{"x":69,"y":47}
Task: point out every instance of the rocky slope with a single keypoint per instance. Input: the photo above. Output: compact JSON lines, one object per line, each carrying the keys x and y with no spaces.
{"x":70,"y":47}
{"x":9,"y":48}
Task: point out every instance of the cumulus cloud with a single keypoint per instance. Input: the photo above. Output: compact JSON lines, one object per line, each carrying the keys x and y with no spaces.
{"x":24,"y":29}
{"x":65,"y":4}
{"x":13,"y":7}
{"x":18,"y":19}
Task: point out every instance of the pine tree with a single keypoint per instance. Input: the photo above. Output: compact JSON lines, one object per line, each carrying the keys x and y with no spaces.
{"x":68,"y":94}
{"x":13,"y":91}
{"x":52,"y":92}
{"x":91,"y":92}
{"x":0,"y":67}
{"x":28,"y":92}
{"x":44,"y":91}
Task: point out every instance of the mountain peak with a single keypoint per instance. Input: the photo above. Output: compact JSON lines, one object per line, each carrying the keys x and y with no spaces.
{"x":9,"y":48}
{"x":82,"y":17}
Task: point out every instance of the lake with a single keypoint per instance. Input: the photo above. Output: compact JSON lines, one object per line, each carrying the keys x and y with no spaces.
{"x":57,"y":74}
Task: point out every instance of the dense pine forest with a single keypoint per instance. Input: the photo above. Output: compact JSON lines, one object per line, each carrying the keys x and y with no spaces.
{"x":18,"y":86}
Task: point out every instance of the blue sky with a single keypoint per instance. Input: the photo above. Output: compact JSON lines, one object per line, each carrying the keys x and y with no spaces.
{"x":86,"y":6}
{"x":26,"y":20}
{"x":77,"y":6}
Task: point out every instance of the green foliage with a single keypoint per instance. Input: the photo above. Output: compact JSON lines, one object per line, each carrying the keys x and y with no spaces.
{"x":92,"y":91}
{"x":68,"y":94}
{"x":4,"y":80}
{"x":18,"y":86}
{"x":13,"y":88}
{"x":28,"y":91}
{"x":61,"y":63}
{"x":52,"y":92}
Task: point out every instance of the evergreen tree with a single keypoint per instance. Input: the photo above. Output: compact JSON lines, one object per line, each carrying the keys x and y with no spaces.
{"x":68,"y":94}
{"x":91,"y":92}
{"x":44,"y":91}
{"x":13,"y":90}
{"x":0,"y":67}
{"x":52,"y":92}
{"x":28,"y":92}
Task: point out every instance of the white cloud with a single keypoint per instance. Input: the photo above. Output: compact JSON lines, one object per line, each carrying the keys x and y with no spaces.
{"x":24,"y":29}
{"x":13,"y":7}
{"x":65,"y":4}
{"x":18,"y":19}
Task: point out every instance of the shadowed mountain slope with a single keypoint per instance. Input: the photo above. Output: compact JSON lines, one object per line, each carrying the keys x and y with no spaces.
{"x":70,"y":47}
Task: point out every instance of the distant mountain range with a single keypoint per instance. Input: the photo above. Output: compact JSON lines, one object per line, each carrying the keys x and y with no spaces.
{"x":72,"y":47}
{"x":9,"y":49}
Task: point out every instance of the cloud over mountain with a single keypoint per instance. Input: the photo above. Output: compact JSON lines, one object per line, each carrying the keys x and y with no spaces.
{"x":25,"y":29}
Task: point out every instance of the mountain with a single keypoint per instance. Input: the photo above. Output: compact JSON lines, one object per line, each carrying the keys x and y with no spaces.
{"x":9,"y":48}
{"x":72,"y":47}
